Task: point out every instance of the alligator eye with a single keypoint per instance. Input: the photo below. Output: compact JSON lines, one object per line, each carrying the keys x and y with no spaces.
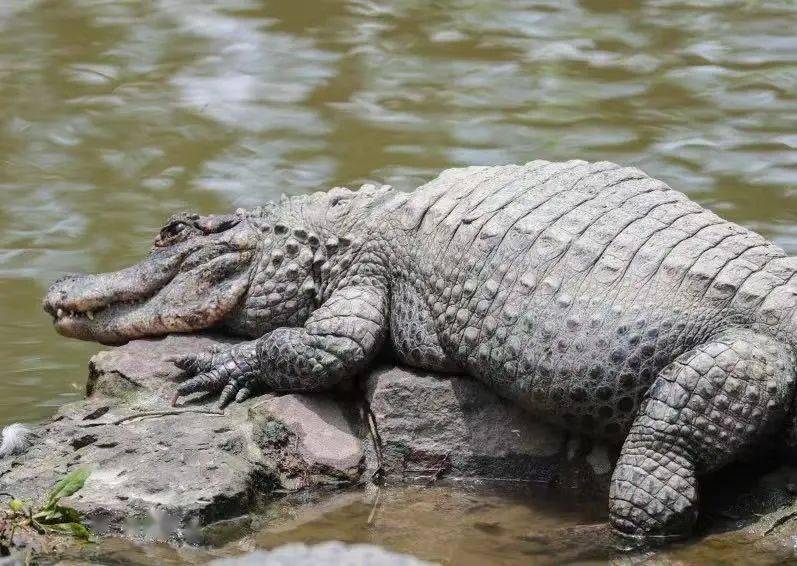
{"x":172,"y":229}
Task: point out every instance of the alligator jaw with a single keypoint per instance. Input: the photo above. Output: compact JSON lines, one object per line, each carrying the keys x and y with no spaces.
{"x":83,"y":306}
{"x":151,"y":298}
{"x":92,"y":324}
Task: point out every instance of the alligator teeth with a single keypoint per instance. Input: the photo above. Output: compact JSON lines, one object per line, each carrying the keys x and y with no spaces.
{"x":59,"y":313}
{"x":90,"y":315}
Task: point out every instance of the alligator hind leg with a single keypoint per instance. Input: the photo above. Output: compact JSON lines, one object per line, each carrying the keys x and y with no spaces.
{"x":702,"y":410}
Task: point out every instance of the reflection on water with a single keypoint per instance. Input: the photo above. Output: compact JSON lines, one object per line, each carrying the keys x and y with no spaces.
{"x":457,"y":525}
{"x":443,"y":524}
{"x":116,"y":114}
{"x":450,"y":525}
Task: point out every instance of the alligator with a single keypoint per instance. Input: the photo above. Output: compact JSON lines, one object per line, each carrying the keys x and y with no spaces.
{"x":591,"y":294}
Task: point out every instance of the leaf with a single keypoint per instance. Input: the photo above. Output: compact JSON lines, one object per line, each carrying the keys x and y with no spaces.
{"x":16,"y":506}
{"x":75,"y":529}
{"x":69,"y":485}
{"x":48,"y":516}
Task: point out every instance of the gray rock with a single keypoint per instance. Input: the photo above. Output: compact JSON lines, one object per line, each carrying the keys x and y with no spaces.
{"x":160,"y":471}
{"x":163,"y":472}
{"x":338,"y":553}
{"x":312,"y":439}
{"x":432,"y":426}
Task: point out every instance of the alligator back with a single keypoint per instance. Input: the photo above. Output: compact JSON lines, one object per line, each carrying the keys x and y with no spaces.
{"x":568,"y":286}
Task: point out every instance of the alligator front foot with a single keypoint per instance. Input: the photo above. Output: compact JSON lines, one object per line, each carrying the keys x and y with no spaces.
{"x":231,"y":371}
{"x":337,"y":342}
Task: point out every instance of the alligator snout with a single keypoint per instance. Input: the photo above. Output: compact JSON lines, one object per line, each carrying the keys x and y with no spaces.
{"x":86,"y":294}
{"x":73,"y":293}
{"x":58,"y":293}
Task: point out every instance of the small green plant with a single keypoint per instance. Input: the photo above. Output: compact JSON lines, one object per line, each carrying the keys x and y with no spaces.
{"x":26,"y":522}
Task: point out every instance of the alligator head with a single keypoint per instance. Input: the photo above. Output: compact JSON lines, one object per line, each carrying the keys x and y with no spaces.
{"x":197,"y":272}
{"x":247,"y":272}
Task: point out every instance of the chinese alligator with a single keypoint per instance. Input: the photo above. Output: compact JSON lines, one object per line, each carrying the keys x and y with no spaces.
{"x":591,"y":294}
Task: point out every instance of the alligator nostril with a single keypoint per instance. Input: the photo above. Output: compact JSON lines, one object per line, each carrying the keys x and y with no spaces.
{"x":58,"y":293}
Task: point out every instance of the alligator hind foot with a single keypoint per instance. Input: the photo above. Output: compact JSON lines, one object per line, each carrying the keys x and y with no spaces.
{"x":701,"y":412}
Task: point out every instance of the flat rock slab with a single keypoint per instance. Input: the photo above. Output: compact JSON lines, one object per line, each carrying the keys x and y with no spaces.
{"x":433,"y":426}
{"x":160,"y":471}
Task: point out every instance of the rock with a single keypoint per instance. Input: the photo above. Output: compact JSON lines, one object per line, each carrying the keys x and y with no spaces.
{"x":323,"y":434}
{"x":160,"y":471}
{"x":432,"y":426}
{"x":298,"y":554}
{"x":164,"y":472}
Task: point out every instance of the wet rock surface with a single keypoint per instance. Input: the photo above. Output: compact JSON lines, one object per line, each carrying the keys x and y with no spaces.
{"x":161,"y":471}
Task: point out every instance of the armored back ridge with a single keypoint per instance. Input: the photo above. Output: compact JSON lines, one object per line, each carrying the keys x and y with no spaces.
{"x":594,"y":296}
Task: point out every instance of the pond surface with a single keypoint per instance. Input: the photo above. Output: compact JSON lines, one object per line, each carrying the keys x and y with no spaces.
{"x":115,"y":114}
{"x":456,"y":525}
{"x":451,"y":525}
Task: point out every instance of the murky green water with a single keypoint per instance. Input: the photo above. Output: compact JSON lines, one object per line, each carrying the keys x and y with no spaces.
{"x":114,"y":114}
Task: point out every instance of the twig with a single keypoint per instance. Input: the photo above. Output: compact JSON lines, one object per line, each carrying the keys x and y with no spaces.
{"x":153,"y":414}
{"x":372,"y":515}
{"x":780,"y":521}
{"x":368,"y":417}
{"x":440,"y":469}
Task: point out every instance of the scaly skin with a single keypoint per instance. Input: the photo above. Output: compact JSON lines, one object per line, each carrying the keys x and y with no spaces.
{"x":592,"y":295}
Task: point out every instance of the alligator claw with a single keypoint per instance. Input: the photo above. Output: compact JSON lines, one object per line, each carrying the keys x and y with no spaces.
{"x":227,"y":395}
{"x":215,"y":371}
{"x":194,"y":362}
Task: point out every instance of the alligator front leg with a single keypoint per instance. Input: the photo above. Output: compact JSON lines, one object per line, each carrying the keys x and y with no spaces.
{"x":704,"y":409}
{"x":337,"y":342}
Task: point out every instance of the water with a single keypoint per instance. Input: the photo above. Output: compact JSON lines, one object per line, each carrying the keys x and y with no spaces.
{"x":456,"y":525}
{"x":115,"y":114}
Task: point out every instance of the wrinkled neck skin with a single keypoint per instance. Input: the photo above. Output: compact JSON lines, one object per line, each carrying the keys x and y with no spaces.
{"x":304,"y":254}
{"x":244,"y":273}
